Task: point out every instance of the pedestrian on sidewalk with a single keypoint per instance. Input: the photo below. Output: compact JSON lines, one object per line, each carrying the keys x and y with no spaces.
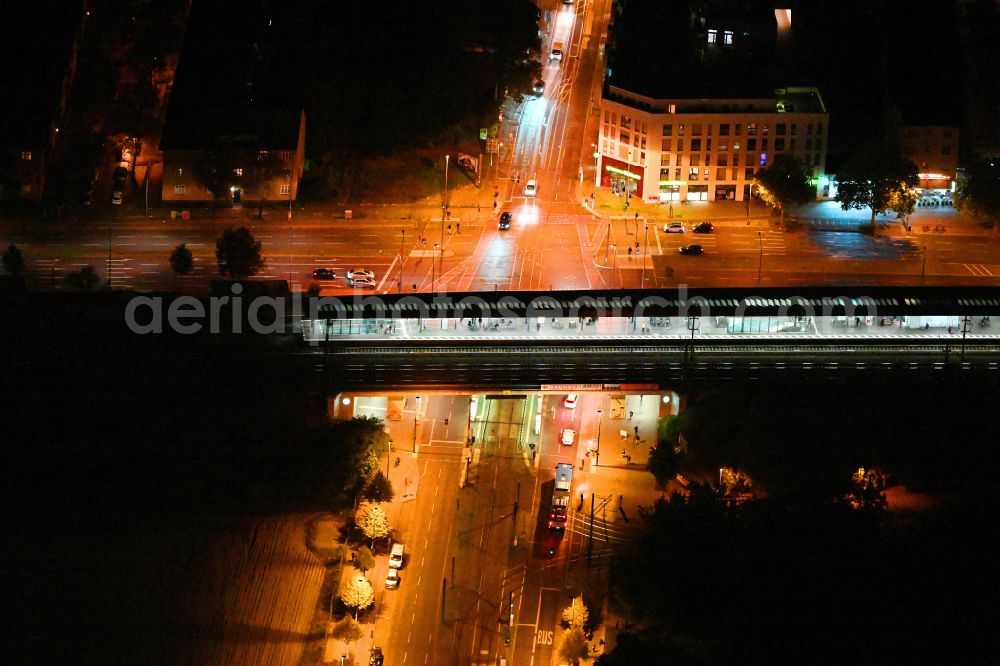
{"x":458,"y":225}
{"x":449,"y":230}
{"x":630,"y":414}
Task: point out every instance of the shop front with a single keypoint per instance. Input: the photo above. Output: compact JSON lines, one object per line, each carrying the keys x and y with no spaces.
{"x":621,"y":177}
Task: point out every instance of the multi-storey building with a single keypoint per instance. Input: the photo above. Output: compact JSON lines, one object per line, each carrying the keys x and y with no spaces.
{"x":935,"y":152}
{"x":706,"y":149}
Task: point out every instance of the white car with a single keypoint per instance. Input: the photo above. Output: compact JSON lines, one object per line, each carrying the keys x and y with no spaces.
{"x":392,"y":579}
{"x":570,"y":401}
{"x":531,"y":189}
{"x":362,"y":283}
{"x":673,"y":228}
{"x":116,"y":198}
{"x":360,"y":273}
{"x":567,"y":437}
{"x":396,"y":556}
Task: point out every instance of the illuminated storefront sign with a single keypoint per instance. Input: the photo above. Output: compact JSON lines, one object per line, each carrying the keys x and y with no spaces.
{"x":623,"y":172}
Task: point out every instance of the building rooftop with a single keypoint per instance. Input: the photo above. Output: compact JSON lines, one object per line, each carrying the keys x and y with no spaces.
{"x":784,"y":100}
{"x":665,"y":49}
{"x":36,"y":44}
{"x":235,"y":83}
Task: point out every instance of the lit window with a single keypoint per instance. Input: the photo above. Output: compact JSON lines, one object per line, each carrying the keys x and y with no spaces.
{"x":763,"y":159}
{"x":26,"y":155}
{"x":180,"y":172}
{"x":180,"y":189}
{"x":286,"y":189}
{"x":713,"y":36}
{"x":237,"y":172}
{"x":626,"y":122}
{"x":693,"y":173}
{"x":727,"y":37}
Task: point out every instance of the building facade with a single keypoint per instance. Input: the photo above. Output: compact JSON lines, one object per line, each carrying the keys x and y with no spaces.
{"x":935,"y":152}
{"x":706,"y":149}
{"x":262,"y":161}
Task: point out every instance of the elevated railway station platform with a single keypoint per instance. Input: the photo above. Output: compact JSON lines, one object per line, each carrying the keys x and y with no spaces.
{"x":903,"y":316}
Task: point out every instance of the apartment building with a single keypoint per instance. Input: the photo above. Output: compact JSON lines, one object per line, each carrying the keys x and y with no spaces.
{"x":706,"y":149}
{"x":935,"y":152}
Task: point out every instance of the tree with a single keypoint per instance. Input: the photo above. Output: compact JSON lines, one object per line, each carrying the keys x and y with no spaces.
{"x":664,"y":461}
{"x":979,"y":192}
{"x":357,"y":593}
{"x":215,"y":172}
{"x":238,"y":253}
{"x":573,"y":646}
{"x":784,"y":183}
{"x":347,"y":630}
{"x":878,"y":178}
{"x":264,"y":168}
{"x":181,"y":260}
{"x":372,"y":521}
{"x":576,"y":614}
{"x":13,"y":260}
{"x":84,"y":279}
{"x":379,"y":489}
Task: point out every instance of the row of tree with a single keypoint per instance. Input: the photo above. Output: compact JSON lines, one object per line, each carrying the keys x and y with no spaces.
{"x":237,"y":253}
{"x":879,"y":178}
{"x":882,"y":180}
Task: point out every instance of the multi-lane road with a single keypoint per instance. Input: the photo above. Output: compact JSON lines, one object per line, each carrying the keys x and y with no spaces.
{"x":554,"y":242}
{"x":482,"y":578}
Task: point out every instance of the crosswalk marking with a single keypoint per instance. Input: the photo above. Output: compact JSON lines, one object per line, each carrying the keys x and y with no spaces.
{"x":978,"y":269}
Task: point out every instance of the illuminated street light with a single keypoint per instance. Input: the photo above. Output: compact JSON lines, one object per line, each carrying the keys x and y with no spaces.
{"x":760,"y":260}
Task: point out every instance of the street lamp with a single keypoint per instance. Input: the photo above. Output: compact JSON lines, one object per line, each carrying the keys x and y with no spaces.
{"x":444,"y":207}
{"x":416,"y":410}
{"x":402,"y":244}
{"x":760,"y":260}
{"x":923,"y":264}
{"x":597,"y":170}
{"x":597,"y":451}
{"x":614,"y":263}
{"x":433,"y":252}
{"x":642,"y":280}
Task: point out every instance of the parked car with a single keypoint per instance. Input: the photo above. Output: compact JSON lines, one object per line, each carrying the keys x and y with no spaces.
{"x":360,"y":272}
{"x":570,"y":401}
{"x":531,"y":189}
{"x":324,"y":274}
{"x":116,"y":198}
{"x":673,"y":228}
{"x":396,"y":556}
{"x":504,"y":223}
{"x":362,"y":283}
{"x":703,"y":228}
{"x":567,"y":437}
{"x":392,"y":579}
{"x":690,"y":249}
{"x":377,"y":659}
{"x":538,"y":87}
